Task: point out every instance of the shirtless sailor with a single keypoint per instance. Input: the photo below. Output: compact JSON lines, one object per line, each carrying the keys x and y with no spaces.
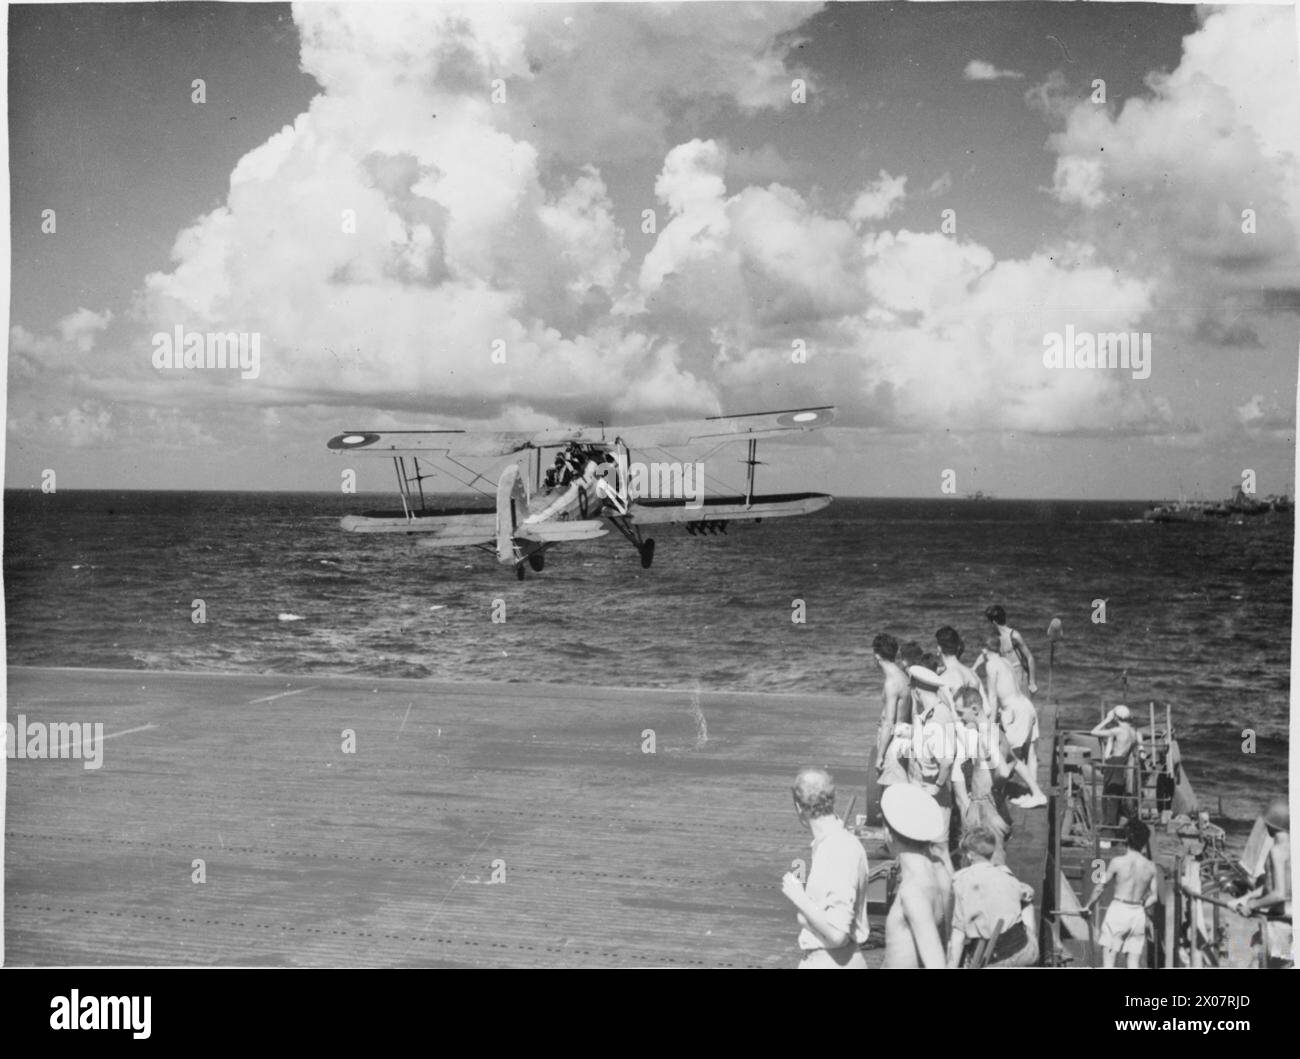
{"x":1019,"y":719}
{"x":1012,"y":648}
{"x":917,"y":922}
{"x":955,"y":673}
{"x":1121,"y":750}
{"x":1125,"y":927}
{"x":1273,"y":897}
{"x":896,"y":708}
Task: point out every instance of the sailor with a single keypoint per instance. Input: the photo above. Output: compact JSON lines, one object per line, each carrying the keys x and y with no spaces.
{"x":559,"y":473}
{"x":954,"y":672}
{"x":1273,"y":896}
{"x":1125,"y":927}
{"x":910,"y":654}
{"x":832,"y":904}
{"x":1121,"y":750}
{"x":917,"y":921}
{"x":1012,"y":648}
{"x":933,"y":754}
{"x":1019,"y":720}
{"x":980,"y":806}
{"x":896,"y":705}
{"x":985,"y":895}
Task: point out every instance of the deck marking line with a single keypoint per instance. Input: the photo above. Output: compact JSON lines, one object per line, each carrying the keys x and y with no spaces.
{"x":408,"y":714}
{"x":429,"y":922}
{"x":143,"y":728}
{"x":283,"y":694}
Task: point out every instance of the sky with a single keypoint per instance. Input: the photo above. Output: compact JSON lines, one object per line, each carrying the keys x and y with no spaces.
{"x":518,"y":217}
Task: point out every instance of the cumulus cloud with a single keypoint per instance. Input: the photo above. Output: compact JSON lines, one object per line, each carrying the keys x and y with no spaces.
{"x":1205,"y":171}
{"x":980,"y":70}
{"x":435,"y":205}
{"x":432,"y":239}
{"x":909,"y":329}
{"x":81,"y":427}
{"x":879,"y":199}
{"x":64,"y":351}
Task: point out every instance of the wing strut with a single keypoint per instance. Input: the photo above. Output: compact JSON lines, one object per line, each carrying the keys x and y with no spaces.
{"x":749,"y":474}
{"x":403,"y":486}
{"x":404,"y":481}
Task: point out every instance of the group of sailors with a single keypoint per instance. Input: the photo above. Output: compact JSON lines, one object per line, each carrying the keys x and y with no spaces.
{"x":571,"y":464}
{"x":953,"y":735}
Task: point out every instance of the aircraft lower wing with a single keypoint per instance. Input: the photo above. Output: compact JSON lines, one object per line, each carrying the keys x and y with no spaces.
{"x":647,"y":512}
{"x":463,"y":527}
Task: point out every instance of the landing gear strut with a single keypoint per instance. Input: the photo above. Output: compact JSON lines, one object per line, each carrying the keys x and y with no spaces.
{"x":645,"y":547}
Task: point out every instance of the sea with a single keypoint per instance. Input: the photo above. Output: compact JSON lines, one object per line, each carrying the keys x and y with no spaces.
{"x":1195,"y":616}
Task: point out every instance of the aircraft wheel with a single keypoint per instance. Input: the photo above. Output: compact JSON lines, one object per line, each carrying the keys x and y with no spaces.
{"x":537,"y":561}
{"x":647,"y":554}
{"x":519,"y":571}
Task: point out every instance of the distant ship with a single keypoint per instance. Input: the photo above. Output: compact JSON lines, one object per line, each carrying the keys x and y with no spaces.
{"x":1238,"y":509}
{"x":979,"y":494}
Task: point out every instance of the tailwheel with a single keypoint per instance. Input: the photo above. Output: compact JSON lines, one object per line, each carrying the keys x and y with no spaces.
{"x":537,"y":561}
{"x":647,"y":553}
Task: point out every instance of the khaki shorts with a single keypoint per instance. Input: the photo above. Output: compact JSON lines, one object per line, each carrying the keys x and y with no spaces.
{"x":1124,"y":929}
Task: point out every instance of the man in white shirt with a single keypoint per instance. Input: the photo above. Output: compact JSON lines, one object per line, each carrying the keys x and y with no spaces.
{"x":832,"y":904}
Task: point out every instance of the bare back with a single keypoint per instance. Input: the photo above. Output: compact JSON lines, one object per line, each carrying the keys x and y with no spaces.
{"x":1134,"y":877}
{"x":896,"y":702}
{"x":1121,"y":742}
{"x":1003,"y":686}
{"x":918,"y":918}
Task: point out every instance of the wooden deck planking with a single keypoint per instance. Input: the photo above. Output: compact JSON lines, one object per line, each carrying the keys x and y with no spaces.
{"x":613,"y":857}
{"x":1027,"y":848}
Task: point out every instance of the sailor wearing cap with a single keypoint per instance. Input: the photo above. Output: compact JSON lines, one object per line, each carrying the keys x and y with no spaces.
{"x":936,"y":751}
{"x":1118,"y":756}
{"x":918,"y":918}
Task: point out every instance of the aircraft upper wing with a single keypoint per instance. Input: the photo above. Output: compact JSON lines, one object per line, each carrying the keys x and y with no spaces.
{"x":722,"y":428}
{"x":430,"y":442}
{"x":658,"y":435}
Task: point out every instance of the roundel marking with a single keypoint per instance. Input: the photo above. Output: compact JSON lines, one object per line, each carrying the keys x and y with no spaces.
{"x":799,"y":419}
{"x":352,"y":441}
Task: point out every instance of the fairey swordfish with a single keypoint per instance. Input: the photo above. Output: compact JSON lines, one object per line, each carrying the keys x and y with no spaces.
{"x":592,"y":485}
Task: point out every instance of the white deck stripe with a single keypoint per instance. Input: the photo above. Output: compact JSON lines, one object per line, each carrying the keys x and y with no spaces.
{"x":283,"y":694}
{"x":128,"y":731}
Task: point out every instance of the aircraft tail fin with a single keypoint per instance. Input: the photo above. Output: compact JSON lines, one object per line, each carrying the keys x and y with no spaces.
{"x":512,"y":509}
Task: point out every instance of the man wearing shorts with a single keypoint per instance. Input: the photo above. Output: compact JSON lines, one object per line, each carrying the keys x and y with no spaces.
{"x":1019,"y":720}
{"x":1125,"y":927}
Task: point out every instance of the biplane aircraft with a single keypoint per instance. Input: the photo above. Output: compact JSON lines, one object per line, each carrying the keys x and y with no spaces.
{"x":590,"y":487}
